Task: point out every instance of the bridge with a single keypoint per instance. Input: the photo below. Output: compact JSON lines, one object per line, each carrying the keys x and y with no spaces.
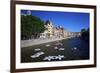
{"x":73,"y":34}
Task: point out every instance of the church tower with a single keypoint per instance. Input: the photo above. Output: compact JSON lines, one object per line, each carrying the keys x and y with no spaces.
{"x":49,"y":27}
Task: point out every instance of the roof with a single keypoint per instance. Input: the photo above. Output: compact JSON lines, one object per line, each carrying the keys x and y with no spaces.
{"x":48,"y":22}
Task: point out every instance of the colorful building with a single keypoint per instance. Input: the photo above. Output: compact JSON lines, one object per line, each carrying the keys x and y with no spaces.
{"x":49,"y":27}
{"x":53,"y":32}
{"x":59,"y":32}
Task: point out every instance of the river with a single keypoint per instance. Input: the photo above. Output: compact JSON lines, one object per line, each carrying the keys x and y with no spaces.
{"x":67,"y":49}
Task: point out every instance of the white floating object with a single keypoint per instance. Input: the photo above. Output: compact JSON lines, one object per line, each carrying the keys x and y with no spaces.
{"x":38,"y":49}
{"x":62,"y":56}
{"x":56,"y":47}
{"x":37,"y":55}
{"x":56,"y":57}
{"x":49,"y":58}
{"x":75,"y":48}
{"x":47,"y":45}
{"x":58,"y":43}
{"x":61,"y":48}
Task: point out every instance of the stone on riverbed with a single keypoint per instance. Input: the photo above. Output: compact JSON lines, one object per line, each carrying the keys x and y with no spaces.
{"x":55,"y":47}
{"x":59,"y":57}
{"x":75,"y":48}
{"x":37,"y":54}
{"x":58,"y":43}
{"x":61,"y":48}
{"x":49,"y":58}
{"x":47,"y":45}
{"x":37,"y":49}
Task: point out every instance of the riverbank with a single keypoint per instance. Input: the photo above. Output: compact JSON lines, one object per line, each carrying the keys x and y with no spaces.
{"x":32,"y":42}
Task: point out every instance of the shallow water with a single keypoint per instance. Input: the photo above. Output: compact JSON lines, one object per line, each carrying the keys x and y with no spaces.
{"x":71,"y":49}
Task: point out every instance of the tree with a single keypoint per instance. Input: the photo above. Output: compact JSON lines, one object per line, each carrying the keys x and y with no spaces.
{"x":31,"y":26}
{"x":83,"y":30}
{"x":85,"y":34}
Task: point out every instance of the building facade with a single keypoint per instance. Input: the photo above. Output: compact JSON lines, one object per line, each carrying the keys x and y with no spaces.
{"x":57,"y":32}
{"x":49,"y":28}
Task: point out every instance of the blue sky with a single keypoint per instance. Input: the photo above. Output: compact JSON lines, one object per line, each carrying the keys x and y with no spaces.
{"x":71,"y":21}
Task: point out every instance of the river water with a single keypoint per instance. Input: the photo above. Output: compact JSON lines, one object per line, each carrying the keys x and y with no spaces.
{"x":69,"y":49}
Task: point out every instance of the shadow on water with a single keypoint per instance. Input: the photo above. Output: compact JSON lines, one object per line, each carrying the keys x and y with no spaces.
{"x":72,"y":49}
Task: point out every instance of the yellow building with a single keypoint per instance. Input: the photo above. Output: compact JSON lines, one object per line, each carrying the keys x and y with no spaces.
{"x":49,"y":27}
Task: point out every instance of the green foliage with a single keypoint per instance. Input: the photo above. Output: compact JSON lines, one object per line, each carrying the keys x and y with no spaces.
{"x":85,"y":34}
{"x":83,"y":30}
{"x":31,"y":25}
